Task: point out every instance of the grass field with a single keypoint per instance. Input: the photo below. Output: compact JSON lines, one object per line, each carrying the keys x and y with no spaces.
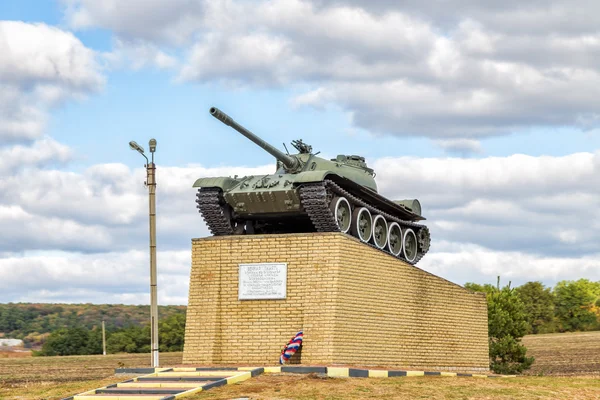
{"x":570,"y":364}
{"x":56,"y":377}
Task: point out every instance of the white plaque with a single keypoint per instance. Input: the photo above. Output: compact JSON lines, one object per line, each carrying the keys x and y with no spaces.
{"x":262,"y":281}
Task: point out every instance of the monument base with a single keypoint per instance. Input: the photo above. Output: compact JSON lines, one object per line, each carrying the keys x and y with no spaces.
{"x":356,"y":306}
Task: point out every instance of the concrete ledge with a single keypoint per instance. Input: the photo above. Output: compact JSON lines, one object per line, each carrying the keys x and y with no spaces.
{"x":342,"y":372}
{"x":345,"y":372}
{"x":140,"y":370}
{"x":334,"y":372}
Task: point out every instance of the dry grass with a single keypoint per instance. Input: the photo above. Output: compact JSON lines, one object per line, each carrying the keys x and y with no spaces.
{"x":309,"y":387}
{"x":576,"y":355}
{"x":564,"y":354}
{"x":56,"y":377}
{"x":12,"y":352}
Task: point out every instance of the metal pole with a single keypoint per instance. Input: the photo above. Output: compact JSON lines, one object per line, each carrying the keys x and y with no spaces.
{"x":151,"y":169}
{"x":103,"y":340}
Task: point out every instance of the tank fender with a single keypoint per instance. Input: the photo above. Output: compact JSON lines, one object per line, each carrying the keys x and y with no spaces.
{"x":318,"y":176}
{"x":222,"y":182}
{"x":311,"y":176}
{"x":412,"y":204}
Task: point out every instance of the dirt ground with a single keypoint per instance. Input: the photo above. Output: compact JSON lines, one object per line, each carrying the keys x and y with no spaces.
{"x":309,"y":387}
{"x":564,"y":354}
{"x":567,"y":366}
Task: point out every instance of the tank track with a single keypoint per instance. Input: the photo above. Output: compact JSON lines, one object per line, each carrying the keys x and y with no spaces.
{"x":314,"y":197}
{"x":211,"y":205}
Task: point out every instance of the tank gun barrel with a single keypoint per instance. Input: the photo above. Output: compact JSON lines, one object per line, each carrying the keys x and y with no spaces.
{"x":288,"y":161}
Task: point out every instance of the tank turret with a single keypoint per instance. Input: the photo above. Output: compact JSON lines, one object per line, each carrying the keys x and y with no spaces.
{"x":308,"y":193}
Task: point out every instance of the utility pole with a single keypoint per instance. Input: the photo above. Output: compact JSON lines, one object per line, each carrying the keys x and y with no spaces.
{"x":103,"y":340}
{"x":153,"y":294}
{"x":151,"y":184}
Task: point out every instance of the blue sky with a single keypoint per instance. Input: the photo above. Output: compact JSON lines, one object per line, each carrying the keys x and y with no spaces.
{"x":487,"y":115}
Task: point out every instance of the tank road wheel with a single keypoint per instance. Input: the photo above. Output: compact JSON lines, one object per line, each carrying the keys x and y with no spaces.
{"x":410,"y":245}
{"x":380,"y":232}
{"x":362,"y":224}
{"x":395,"y":239}
{"x":342,"y":213}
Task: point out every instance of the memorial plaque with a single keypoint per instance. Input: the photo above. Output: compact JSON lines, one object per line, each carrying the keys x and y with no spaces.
{"x":262,"y":281}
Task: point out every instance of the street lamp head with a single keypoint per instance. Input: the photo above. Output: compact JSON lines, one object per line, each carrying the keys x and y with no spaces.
{"x":152,"y":145}
{"x":137,"y":147}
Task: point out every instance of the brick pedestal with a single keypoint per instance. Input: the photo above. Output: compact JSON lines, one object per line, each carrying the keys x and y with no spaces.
{"x":356,"y":305}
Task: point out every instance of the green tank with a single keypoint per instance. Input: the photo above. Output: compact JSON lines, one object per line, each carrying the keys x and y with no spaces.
{"x":308,"y":193}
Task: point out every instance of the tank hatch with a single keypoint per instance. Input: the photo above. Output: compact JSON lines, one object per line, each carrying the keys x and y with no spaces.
{"x":354,"y":160}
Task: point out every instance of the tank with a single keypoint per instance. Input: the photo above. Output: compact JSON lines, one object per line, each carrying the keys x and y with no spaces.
{"x":307,"y":193}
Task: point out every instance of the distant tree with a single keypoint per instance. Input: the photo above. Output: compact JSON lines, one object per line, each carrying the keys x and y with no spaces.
{"x":476,"y":287}
{"x":66,"y":342}
{"x":538,"y":303}
{"x":171,"y":332}
{"x":18,"y":320}
{"x":133,"y":339}
{"x":575,"y":304}
{"x":11,"y":319}
{"x":35,"y":339}
{"x":94,"y":345}
{"x":121,"y":342}
{"x":506,"y":326}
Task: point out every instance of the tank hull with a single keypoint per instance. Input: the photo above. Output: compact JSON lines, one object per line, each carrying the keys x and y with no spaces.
{"x":273,"y":204}
{"x":256,"y":196}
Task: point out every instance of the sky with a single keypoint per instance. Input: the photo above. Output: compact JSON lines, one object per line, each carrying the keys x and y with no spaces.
{"x":487,"y":112}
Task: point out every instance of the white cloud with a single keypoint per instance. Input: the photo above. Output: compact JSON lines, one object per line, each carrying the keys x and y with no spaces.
{"x":261,"y":58}
{"x":153,"y":20}
{"x":454,"y":70}
{"x":137,"y":55}
{"x":43,"y":54}
{"x":472,"y":263}
{"x":103,"y":277}
{"x":40,"y":153}
{"x":19,"y":118}
{"x":40,"y":67}
{"x":460,"y":146}
{"x":316,"y":98}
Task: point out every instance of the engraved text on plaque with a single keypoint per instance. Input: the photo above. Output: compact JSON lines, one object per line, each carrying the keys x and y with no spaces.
{"x":262,"y":281}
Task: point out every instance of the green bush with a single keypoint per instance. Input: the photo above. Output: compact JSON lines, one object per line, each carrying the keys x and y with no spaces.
{"x":171,"y":333}
{"x":538,"y":302}
{"x":67,"y":342}
{"x":575,"y":305}
{"x":507,"y":324}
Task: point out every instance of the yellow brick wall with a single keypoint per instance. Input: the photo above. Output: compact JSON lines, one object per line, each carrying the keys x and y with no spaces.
{"x":355,"y":304}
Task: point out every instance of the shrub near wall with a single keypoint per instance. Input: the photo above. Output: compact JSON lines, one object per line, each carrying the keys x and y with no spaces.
{"x":507,"y":324}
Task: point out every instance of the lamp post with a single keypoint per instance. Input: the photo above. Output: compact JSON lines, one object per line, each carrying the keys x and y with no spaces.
{"x":151,"y":184}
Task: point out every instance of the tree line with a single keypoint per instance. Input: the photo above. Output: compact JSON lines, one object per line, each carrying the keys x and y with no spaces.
{"x":569,"y":306}
{"x":33,"y":322}
{"x":79,"y":340}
